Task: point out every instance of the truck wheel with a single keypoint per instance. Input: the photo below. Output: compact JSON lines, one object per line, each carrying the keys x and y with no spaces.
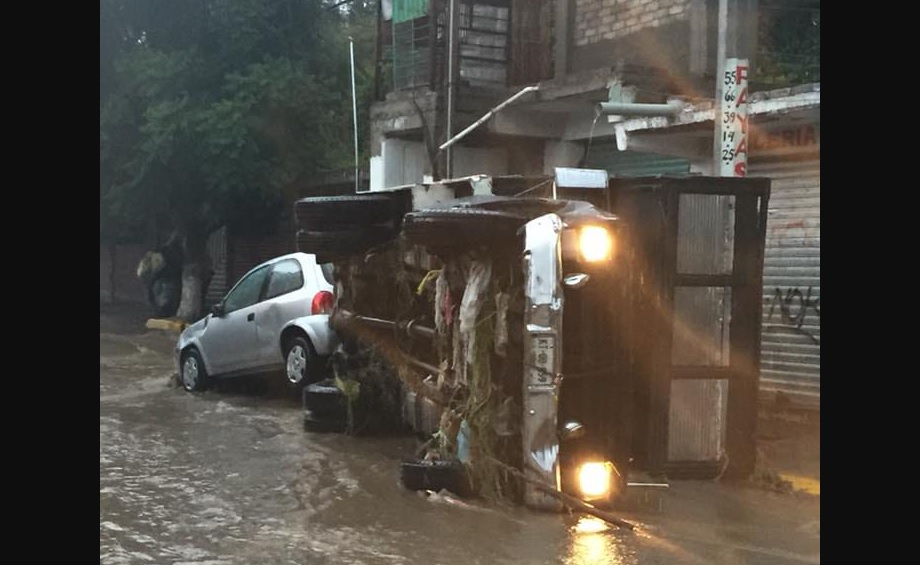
{"x":315,"y":424}
{"x":340,"y":213}
{"x":334,"y":245}
{"x":324,"y":400}
{"x":450,"y":475}
{"x":460,"y":227}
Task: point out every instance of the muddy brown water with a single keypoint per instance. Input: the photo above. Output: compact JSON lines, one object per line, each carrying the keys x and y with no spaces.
{"x":229,"y":476}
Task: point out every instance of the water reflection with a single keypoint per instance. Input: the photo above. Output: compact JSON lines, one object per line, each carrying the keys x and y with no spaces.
{"x":592,"y":542}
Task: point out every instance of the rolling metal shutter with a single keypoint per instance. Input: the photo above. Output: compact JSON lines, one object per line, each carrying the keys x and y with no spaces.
{"x":791,"y":330}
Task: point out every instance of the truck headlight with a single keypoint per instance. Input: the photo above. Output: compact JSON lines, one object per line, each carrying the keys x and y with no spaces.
{"x":595,"y":479}
{"x":595,"y":244}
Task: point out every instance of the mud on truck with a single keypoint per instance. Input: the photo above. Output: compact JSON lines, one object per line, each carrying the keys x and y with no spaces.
{"x":484,"y":323}
{"x":497,"y":322}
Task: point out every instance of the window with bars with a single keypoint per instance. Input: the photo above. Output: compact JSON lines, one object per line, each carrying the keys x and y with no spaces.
{"x":483,"y":45}
{"x":410,"y":53}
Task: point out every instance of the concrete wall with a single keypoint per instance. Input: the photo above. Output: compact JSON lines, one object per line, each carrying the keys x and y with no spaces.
{"x":404,"y":162}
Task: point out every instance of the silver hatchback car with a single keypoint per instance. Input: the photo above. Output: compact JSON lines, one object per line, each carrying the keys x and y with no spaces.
{"x":274,"y":319}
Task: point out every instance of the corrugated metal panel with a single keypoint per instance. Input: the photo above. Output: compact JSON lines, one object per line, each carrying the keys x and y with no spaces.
{"x":702,"y":317}
{"x":696,"y":430}
{"x":633,"y":163}
{"x":791,"y":335}
{"x":705,"y":234}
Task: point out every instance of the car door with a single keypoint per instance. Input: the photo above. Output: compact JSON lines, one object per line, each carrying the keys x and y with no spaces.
{"x":285,"y":299}
{"x":230,"y":341}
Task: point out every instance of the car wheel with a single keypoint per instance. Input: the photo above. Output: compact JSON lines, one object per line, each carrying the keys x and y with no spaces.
{"x":461,"y":227}
{"x":192,"y":374}
{"x":422,"y":474}
{"x":299,"y":362}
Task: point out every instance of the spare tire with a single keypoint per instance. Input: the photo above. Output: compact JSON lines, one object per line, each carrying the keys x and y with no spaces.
{"x":461,"y":227}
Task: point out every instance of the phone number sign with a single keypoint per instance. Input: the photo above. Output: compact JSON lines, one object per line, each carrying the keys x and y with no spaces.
{"x":733,"y":119}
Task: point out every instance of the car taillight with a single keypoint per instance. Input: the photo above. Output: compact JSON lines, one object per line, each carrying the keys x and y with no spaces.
{"x":323,"y":303}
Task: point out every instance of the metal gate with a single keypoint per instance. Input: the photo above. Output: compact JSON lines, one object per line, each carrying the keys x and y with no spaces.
{"x":699,"y":244}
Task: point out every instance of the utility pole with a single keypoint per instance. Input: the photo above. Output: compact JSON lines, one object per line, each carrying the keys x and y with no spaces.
{"x":720,"y":67}
{"x":730,"y":115}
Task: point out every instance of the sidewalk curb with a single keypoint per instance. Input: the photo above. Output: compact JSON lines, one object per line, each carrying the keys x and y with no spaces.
{"x":804,"y":484}
{"x":167,"y":324}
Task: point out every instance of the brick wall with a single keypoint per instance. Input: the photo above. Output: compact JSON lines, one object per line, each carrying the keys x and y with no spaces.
{"x":599,"y":20}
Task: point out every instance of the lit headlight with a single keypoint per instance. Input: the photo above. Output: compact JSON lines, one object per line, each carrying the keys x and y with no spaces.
{"x":595,"y":244}
{"x":595,"y":479}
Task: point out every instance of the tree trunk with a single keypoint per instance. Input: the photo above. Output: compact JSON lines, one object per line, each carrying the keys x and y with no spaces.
{"x":196,"y":275}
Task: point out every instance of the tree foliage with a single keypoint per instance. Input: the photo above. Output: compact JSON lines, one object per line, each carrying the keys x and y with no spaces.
{"x":208,"y":108}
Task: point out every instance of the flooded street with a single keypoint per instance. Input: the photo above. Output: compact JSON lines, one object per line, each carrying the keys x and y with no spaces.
{"x":229,"y":477}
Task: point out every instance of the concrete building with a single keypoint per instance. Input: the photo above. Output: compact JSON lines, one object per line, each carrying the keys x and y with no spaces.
{"x":502,"y":87}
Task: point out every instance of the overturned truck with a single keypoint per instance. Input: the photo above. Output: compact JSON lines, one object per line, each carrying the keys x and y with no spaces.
{"x":533,"y":339}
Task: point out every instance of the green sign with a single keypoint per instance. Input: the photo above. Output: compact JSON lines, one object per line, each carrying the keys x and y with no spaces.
{"x":405,"y":10}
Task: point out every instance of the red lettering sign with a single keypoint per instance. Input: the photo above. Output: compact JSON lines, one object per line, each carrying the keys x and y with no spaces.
{"x":742,"y":147}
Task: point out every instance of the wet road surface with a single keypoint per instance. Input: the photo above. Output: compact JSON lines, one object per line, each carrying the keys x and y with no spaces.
{"x":230,"y":477}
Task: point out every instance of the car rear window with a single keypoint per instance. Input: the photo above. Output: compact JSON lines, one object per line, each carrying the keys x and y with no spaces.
{"x":286,"y":277}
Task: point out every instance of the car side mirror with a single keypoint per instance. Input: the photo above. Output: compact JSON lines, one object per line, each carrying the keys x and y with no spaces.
{"x":218,"y":309}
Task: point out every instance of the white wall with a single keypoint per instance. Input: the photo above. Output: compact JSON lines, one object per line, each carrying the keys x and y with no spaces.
{"x":404,"y":162}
